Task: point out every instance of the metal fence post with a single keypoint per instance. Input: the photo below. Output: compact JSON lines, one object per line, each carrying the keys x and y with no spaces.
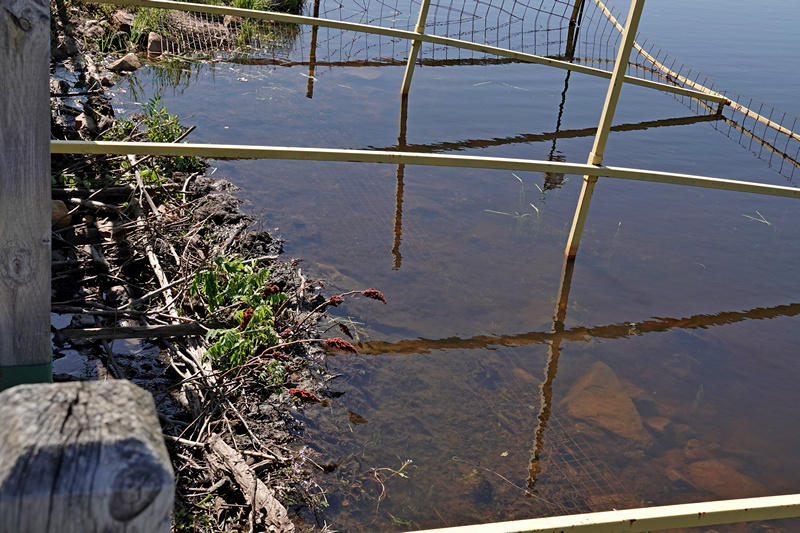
{"x":612,"y":97}
{"x":412,"y":55}
{"x":25,"y":354}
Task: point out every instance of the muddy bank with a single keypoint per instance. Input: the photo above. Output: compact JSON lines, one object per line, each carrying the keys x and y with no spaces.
{"x":161,"y":279}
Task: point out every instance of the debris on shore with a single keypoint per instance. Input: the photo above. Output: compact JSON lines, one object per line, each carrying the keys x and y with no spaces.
{"x":159,"y":278}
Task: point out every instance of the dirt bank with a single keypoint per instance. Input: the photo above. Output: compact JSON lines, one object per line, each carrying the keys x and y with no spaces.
{"x":160,"y":278}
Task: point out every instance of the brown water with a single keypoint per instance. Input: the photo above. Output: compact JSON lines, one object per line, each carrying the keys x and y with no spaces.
{"x":683,"y":306}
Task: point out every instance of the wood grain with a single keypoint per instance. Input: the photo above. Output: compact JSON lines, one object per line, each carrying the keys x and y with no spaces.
{"x":85,"y":457}
{"x":24,"y":182}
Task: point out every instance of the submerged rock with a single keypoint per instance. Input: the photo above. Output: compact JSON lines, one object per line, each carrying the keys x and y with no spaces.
{"x":598,"y":397}
{"x":723,"y":481}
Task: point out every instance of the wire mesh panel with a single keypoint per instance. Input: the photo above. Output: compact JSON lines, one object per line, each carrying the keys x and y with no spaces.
{"x":767,"y":132}
{"x":578,"y":480}
{"x":777,"y":143}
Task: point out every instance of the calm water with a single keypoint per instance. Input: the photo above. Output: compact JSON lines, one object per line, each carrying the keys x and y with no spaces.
{"x":453,"y":366}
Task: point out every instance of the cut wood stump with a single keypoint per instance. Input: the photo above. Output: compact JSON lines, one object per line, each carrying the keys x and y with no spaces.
{"x":83,"y":456}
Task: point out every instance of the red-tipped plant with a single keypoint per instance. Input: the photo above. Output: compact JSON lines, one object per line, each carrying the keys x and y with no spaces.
{"x":341,"y":344}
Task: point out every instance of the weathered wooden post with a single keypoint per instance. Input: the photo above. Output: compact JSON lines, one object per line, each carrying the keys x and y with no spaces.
{"x":83,"y":457}
{"x":25,"y":354}
{"x":574,"y":28}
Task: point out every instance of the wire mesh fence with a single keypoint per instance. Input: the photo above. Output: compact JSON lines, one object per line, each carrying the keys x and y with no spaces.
{"x":769,"y":133}
{"x":580,"y":31}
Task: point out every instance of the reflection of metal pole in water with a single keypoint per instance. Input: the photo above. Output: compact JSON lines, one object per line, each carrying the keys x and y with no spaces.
{"x":550,"y":369}
{"x":595,"y":158}
{"x":398,"y":218}
{"x":551,"y":179}
{"x":312,"y":54}
{"x":574,"y":28}
{"x":401,"y":168}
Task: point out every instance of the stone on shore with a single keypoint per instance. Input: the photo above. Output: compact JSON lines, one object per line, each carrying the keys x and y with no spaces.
{"x":155,"y":46}
{"x":60,"y":217}
{"x":128,"y":63}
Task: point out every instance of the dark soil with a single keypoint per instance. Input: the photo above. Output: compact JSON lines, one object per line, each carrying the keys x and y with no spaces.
{"x":103,"y":232}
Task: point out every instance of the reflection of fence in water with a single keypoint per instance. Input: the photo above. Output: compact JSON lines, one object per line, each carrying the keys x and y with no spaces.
{"x":538,"y":27}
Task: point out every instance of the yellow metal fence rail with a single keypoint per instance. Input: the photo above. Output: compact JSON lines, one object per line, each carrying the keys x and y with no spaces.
{"x":239,"y":151}
{"x":649,"y":518}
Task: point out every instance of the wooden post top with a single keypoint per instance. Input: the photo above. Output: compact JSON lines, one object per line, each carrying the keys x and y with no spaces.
{"x":83,"y":456}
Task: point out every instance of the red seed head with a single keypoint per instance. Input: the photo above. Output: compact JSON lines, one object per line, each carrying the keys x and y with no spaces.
{"x":272,"y":289}
{"x":374,"y":294}
{"x":246,"y":317}
{"x":305,"y":395}
{"x":341,"y":344}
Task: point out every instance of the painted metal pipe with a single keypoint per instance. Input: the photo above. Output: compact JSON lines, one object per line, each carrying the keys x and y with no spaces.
{"x":234,"y":151}
{"x":415,"y":46}
{"x":606,"y":117}
{"x":650,"y":518}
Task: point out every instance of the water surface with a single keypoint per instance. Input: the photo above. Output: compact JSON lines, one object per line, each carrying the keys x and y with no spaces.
{"x":687,"y":296}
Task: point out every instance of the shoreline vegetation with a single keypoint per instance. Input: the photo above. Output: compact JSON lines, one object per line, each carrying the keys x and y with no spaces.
{"x":233,"y":338}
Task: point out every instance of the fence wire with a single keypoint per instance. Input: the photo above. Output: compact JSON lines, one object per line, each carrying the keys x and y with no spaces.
{"x":582,"y":31}
{"x":746,"y":121}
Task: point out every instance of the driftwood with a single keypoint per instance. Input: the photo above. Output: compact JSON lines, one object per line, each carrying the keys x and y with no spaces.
{"x":83,"y":456}
{"x":115,"y":194}
{"x":135,"y":332}
{"x":270,"y":513}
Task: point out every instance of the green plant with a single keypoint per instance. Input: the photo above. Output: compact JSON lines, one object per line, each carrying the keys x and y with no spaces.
{"x":382,"y":475}
{"x":121,"y":129}
{"x":145,"y":21}
{"x":273,"y":374}
{"x":239,"y":292}
{"x":260,"y":5}
{"x":760,"y":218}
{"x":70,"y":180}
{"x":520,"y":215}
{"x":161,"y":126}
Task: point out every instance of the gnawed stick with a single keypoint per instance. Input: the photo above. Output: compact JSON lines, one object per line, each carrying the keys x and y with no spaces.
{"x":136,"y":332}
{"x":223,"y":457}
